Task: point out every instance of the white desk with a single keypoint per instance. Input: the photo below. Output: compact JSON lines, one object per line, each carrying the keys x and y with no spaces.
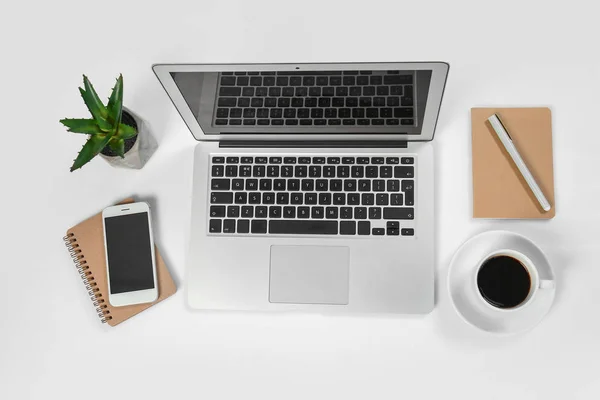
{"x":51,"y":344}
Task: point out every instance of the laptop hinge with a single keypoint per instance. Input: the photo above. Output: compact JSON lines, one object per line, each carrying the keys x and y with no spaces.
{"x":312,"y":144}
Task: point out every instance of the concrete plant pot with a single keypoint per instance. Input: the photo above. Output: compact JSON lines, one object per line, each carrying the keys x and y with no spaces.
{"x":138,"y":149}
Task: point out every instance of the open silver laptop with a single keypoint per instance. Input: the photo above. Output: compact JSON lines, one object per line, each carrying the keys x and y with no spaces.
{"x":313,"y":184}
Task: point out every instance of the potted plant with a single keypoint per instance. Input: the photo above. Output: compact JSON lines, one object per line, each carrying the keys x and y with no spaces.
{"x":117,"y":134}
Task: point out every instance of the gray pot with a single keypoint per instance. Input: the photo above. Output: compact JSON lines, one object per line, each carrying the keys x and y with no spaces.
{"x":145,"y":145}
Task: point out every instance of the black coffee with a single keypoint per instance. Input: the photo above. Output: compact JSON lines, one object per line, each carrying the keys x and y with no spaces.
{"x":503,"y":282}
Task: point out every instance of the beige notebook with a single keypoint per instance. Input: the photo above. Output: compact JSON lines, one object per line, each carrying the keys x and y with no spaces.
{"x":85,"y":243}
{"x":499,"y":190}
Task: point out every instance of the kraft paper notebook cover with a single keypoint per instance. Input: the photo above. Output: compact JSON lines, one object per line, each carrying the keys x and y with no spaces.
{"x":85,"y":243}
{"x":499,"y":190}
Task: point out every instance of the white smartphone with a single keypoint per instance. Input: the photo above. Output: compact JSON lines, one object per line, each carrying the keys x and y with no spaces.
{"x":129,"y":247}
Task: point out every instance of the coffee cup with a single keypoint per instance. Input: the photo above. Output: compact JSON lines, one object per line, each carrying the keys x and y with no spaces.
{"x":507,"y":280}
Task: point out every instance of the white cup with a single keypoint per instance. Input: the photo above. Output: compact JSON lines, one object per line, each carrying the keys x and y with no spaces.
{"x":536,"y":282}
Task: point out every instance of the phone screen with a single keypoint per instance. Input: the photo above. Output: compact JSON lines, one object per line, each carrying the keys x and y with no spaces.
{"x":129,"y":253}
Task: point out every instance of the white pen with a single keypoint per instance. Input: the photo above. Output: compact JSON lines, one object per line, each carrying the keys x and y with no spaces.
{"x":512,"y":150}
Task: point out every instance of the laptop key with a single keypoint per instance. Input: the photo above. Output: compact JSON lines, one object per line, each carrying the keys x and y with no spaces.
{"x":231,"y":171}
{"x":261,"y":212}
{"x":297,"y":198}
{"x":368,"y":199}
{"x":243,"y":226}
{"x":214,"y":226}
{"x":364,"y":228}
{"x":217,"y":211}
{"x":317,"y":212}
{"x":220,"y":184}
{"x":386,"y":172}
{"x":254,"y":198}
{"x":283,"y":198}
{"x":259,"y":226}
{"x":220,"y":121}
{"x":289,"y":212}
{"x":407,"y":232}
{"x":275,"y":212}
{"x":303,"y":212}
{"x":396,"y":200}
{"x":348,"y":228}
{"x":229,"y":226}
{"x":382,"y":199}
{"x":353,"y":199}
{"x":350,"y":185}
{"x":247,"y":211}
{"x":221,"y":198}
{"x":227,"y":91}
{"x":339,"y":198}
{"x":268,"y":198}
{"x":308,"y":185}
{"x":346,"y":212}
{"x":374,"y":212}
{"x":303,"y":227}
{"x":293,"y":184}
{"x":393,"y":185}
{"x":233,"y":211}
{"x":325,"y":198}
{"x":331,"y":212}
{"x":360,"y":212}
{"x":398,"y":213}
{"x":378,"y":231}
{"x":310,"y":198}
{"x":228,"y":81}
{"x":245,"y":171}
{"x":404,"y":172}
{"x":364,"y":185}
{"x":265,"y":184}
{"x":258,"y":171}
{"x":378,"y":185}
{"x":241,"y":198}
{"x":226,"y":102}
{"x":279,"y":185}
{"x":300,"y":171}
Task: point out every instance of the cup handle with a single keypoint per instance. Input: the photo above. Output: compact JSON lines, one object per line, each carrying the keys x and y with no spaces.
{"x":546,"y":284}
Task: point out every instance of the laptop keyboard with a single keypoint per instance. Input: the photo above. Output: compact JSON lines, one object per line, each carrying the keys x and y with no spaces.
{"x":312,"y":195}
{"x":315,"y":98}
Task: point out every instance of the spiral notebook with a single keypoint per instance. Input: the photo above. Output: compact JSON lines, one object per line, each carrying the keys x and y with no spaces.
{"x":85,"y":243}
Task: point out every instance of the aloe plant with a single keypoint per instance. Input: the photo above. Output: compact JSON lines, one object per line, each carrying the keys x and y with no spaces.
{"x":104,"y":128}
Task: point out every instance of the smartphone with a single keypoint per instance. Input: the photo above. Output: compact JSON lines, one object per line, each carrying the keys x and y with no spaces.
{"x":129,"y":247}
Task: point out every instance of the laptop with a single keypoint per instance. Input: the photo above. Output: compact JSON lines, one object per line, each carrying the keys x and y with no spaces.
{"x":313,"y":184}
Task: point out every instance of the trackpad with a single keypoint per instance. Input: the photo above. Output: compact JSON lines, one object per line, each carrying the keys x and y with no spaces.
{"x":309,"y":274}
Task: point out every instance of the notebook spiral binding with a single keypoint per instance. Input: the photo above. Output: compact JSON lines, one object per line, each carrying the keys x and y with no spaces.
{"x":87,"y":278}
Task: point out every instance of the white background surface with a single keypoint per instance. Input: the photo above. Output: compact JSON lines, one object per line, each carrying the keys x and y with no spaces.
{"x":51,"y":344}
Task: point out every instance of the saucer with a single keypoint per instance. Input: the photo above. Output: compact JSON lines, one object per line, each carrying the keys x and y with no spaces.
{"x":468,"y":302}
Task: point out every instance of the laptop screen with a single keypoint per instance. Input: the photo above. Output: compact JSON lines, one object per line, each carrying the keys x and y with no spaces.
{"x":329,"y":102}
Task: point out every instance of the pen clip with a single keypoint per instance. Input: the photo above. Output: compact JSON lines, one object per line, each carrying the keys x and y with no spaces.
{"x":503,"y":126}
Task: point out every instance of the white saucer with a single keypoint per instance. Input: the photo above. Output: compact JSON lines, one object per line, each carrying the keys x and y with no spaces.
{"x":468,"y":302}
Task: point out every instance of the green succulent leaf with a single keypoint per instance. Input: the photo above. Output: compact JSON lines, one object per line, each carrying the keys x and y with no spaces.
{"x":90,"y":149}
{"x":126,"y":131}
{"x":92,"y":106}
{"x":115,"y":102}
{"x":89,"y":126}
{"x":89,"y":88}
{"x":118,"y":146}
